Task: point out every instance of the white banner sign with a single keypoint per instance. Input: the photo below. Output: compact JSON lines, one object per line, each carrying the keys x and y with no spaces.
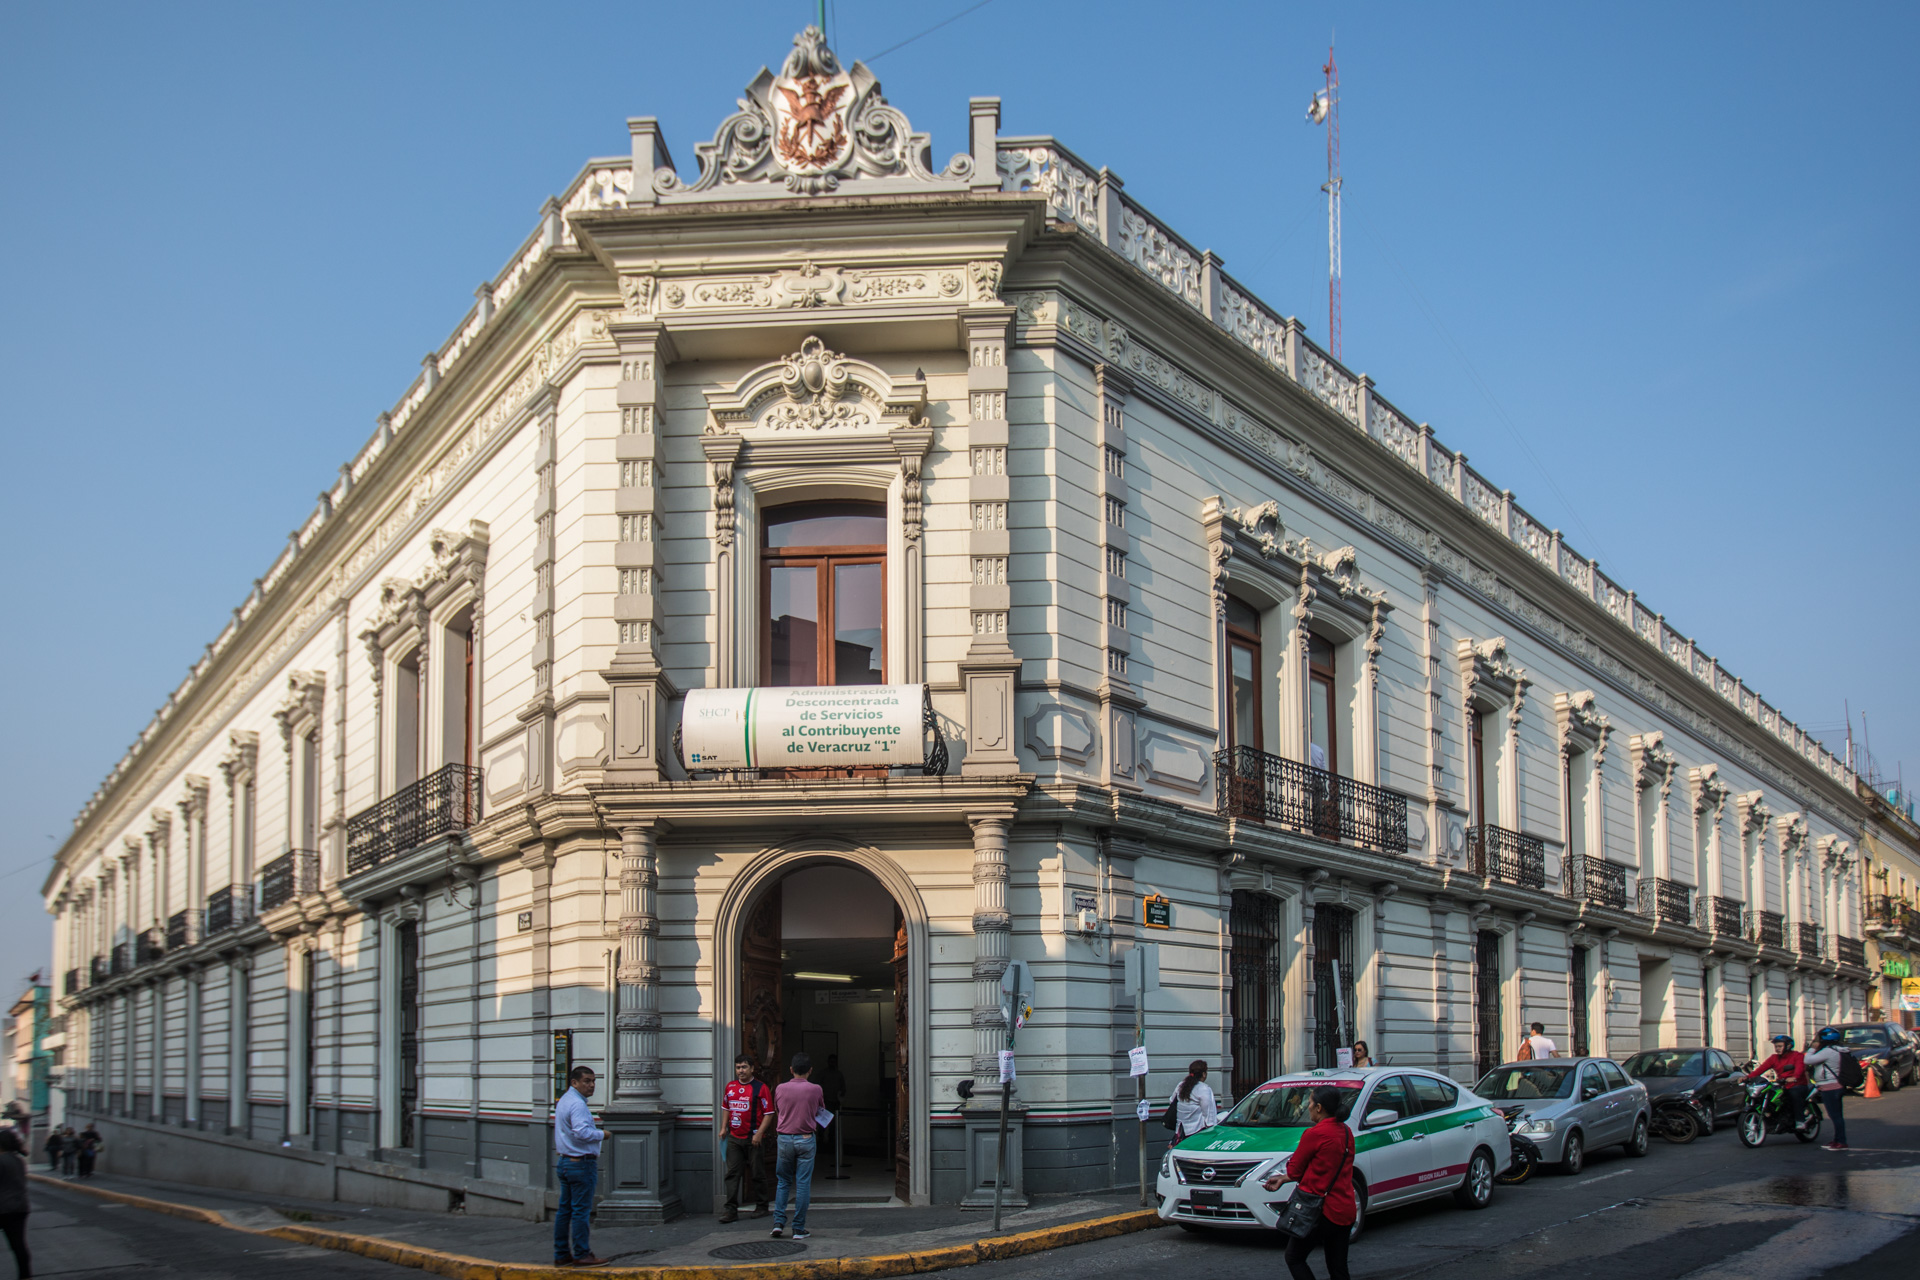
{"x":803,"y":727}
{"x":1137,"y":1060}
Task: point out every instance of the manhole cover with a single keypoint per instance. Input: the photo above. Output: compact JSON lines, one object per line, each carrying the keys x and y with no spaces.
{"x":749,"y":1250}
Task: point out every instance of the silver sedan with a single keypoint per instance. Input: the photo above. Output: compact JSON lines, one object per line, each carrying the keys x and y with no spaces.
{"x":1569,"y":1106}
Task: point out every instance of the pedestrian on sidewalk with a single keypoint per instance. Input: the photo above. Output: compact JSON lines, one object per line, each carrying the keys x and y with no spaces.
{"x":1195,"y":1108}
{"x":1322,"y":1165}
{"x":576,"y":1144}
{"x":56,"y":1147}
{"x":1536,"y":1045}
{"x":91,"y":1144}
{"x":796,"y":1104}
{"x":69,"y":1150}
{"x":1823,"y":1068}
{"x":13,"y":1198}
{"x":746,"y":1120}
{"x":1362,"y":1056}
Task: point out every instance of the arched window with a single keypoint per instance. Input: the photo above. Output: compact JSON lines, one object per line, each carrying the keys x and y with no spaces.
{"x":824,"y":593}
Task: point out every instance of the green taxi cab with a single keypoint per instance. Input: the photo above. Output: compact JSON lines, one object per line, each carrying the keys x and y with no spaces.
{"x":1416,"y":1135}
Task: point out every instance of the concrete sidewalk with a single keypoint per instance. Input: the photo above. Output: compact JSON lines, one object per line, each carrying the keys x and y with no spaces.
{"x":846,"y":1242}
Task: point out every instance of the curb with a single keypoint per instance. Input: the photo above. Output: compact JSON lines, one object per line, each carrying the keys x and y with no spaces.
{"x":459,"y":1267}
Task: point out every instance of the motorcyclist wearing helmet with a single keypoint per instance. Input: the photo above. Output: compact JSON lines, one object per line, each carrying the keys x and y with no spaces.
{"x":1790,"y":1067}
{"x":1823,"y":1067}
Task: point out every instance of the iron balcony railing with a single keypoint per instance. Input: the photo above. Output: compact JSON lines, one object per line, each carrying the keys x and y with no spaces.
{"x":1723,"y":916}
{"x":1770,"y":929}
{"x":442,"y":803}
{"x":227,"y":907}
{"x":149,"y":945}
{"x":1808,"y":940}
{"x":1851,"y":951}
{"x":1664,"y":899}
{"x":1510,"y":857}
{"x":1596,"y":881}
{"x":123,"y":957}
{"x":180,"y":930}
{"x":72,"y":983}
{"x":1269,"y":788}
{"x":99,"y":969}
{"x":1889,"y":914}
{"x":293,"y":874}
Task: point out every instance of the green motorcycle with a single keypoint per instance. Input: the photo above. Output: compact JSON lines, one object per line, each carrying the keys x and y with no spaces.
{"x":1766,"y":1112}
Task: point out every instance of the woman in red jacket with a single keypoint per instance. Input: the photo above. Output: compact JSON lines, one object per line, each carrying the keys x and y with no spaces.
{"x":1322,"y":1165}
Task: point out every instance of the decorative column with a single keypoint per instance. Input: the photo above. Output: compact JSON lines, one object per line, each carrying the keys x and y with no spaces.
{"x":1120,"y":702}
{"x":990,"y":670}
{"x":992,"y":932}
{"x":537,"y":715}
{"x":194,"y":977}
{"x":637,"y":684}
{"x":639,"y":1124}
{"x":239,"y":1045}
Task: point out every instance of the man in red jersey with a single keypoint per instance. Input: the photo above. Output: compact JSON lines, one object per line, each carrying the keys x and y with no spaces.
{"x":1789,"y":1066}
{"x":746,"y":1112}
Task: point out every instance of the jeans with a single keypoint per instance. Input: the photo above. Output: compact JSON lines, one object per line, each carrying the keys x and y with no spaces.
{"x":1796,"y":1104}
{"x":577,"y":1179}
{"x":746,"y":1178}
{"x":795,"y":1168}
{"x":1329,"y":1236}
{"x":1832,"y":1100}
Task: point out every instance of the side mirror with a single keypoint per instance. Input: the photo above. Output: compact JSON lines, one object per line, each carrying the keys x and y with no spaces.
{"x":1377,"y":1118}
{"x":1589,"y":1093}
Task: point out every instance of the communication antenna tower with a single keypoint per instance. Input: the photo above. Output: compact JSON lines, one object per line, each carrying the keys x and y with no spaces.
{"x":1325,"y":109}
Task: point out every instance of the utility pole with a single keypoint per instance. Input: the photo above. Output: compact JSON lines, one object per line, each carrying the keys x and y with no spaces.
{"x":1142,"y":974}
{"x":1016,"y":990}
{"x":1325,"y":109}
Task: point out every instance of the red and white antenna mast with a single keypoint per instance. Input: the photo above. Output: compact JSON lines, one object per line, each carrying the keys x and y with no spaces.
{"x":1325,"y":109}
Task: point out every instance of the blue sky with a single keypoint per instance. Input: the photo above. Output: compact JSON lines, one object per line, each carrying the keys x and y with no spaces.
{"x":1650,"y":266}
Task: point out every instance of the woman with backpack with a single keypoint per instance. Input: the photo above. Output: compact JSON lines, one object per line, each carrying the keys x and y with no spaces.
{"x":1830,"y":1068}
{"x":1192,"y":1103}
{"x":1322,"y":1208}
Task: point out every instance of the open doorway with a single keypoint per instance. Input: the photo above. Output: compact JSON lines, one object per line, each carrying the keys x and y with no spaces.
{"x":824,"y":971}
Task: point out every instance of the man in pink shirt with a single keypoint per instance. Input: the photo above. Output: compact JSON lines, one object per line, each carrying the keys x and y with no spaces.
{"x":795,"y":1105}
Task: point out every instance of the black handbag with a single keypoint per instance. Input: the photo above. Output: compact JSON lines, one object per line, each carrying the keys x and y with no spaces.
{"x":1302,"y":1214}
{"x":1170,"y":1118}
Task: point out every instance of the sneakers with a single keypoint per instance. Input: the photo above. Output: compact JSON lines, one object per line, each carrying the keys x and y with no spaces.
{"x":801,"y":1233}
{"x":777,"y":1232}
{"x":1837,"y":1146}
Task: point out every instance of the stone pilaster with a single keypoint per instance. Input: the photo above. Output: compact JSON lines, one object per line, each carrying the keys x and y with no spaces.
{"x":639,"y":1124}
{"x":992,"y":928}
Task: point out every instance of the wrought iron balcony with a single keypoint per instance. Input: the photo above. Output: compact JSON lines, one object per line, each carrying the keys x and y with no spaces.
{"x":442,"y":803}
{"x":1510,"y":857}
{"x":72,"y":983}
{"x":1889,"y":915}
{"x":1597,"y":881}
{"x":180,"y":930}
{"x":228,"y":907}
{"x":1770,"y":929}
{"x":1808,"y":939}
{"x":99,"y":969}
{"x":1269,"y":788}
{"x":1851,"y":951}
{"x":1723,"y":916}
{"x":149,"y":945}
{"x":293,"y":874}
{"x":123,"y":957}
{"x":1666,"y":900}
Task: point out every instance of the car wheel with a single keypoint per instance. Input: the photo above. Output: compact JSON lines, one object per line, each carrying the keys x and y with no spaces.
{"x":1893,"y":1080}
{"x":1359,"y":1207}
{"x":1476,"y":1189}
{"x":1637,"y":1145}
{"x":1575,"y":1157}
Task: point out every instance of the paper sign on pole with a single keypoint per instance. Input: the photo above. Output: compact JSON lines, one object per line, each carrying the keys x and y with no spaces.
{"x":1137,"y":1060}
{"x":1006,"y":1066}
{"x":1343,"y":1056}
{"x":804,"y":727}
{"x":1143,"y":1111}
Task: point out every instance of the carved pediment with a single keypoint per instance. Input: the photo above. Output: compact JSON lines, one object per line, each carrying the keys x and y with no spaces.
{"x":1754,"y":813}
{"x":816,"y":390}
{"x":1581,"y":724}
{"x":1653,"y":763}
{"x":1484,"y":664}
{"x":1709,"y":791}
{"x":299,"y":711}
{"x":1277,"y":566}
{"x":809,"y":129}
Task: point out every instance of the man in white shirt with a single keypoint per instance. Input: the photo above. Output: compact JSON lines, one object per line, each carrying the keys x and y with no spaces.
{"x":1538,"y":1045}
{"x":576,"y":1144}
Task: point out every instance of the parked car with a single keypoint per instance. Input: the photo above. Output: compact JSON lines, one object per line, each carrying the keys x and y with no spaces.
{"x":1706,"y":1078}
{"x":1570,"y":1106}
{"x":1417,"y":1135}
{"x":1884,"y":1047}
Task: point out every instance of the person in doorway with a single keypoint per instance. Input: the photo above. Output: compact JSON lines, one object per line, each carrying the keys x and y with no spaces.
{"x":1789,"y":1067}
{"x":1536,"y":1045}
{"x":747,"y":1118}
{"x":1823,"y":1070}
{"x":576,"y":1145}
{"x":1194,"y":1099}
{"x":91,"y":1144}
{"x":796,"y":1103}
{"x":1362,"y":1056}
{"x":13,"y":1198}
{"x":1322,"y":1165}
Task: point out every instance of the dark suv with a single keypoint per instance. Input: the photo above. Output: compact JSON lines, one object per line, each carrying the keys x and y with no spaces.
{"x":1882,"y":1047}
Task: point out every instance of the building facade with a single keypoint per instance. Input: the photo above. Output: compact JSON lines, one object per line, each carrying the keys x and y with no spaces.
{"x":1890,"y":873}
{"x":1161,"y":606}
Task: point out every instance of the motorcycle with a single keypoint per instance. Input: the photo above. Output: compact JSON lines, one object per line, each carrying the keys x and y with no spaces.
{"x":1525,"y":1153}
{"x":1679,"y":1120}
{"x":1765,"y":1112}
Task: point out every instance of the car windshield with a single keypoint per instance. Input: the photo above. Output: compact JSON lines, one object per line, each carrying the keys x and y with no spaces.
{"x":1866,"y":1038}
{"x":1282,"y":1106}
{"x":1666,"y":1062}
{"x":1516,"y":1084}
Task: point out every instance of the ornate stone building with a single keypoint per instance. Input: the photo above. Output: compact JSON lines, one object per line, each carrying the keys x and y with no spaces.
{"x":1114,"y":588}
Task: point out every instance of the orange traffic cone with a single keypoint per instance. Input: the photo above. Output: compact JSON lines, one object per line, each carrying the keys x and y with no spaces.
{"x":1873,"y":1084}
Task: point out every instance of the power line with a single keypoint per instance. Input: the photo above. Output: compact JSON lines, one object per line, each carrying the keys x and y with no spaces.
{"x":929,"y":31}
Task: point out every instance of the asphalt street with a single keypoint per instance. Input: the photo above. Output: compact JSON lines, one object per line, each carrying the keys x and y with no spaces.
{"x":1713,"y":1210}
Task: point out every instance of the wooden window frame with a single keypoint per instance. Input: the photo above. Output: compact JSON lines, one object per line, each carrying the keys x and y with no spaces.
{"x":823,"y":560}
